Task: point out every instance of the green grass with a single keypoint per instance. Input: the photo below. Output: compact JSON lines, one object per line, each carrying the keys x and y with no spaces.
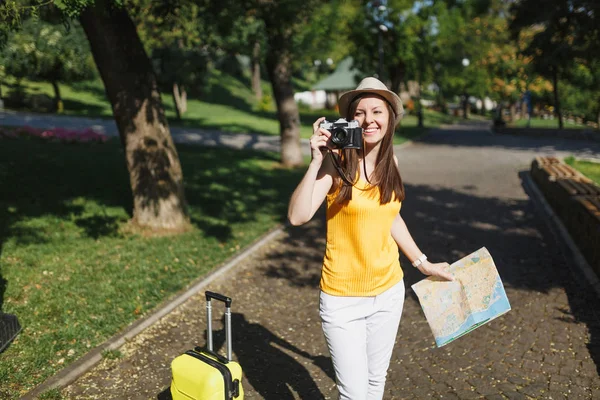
{"x":589,"y":169}
{"x":68,"y":269}
{"x":227,"y":104}
{"x":546,"y":123}
{"x":72,"y":275}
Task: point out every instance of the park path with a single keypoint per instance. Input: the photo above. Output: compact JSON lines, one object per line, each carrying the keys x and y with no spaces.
{"x":204,"y":137}
{"x":466,"y":188}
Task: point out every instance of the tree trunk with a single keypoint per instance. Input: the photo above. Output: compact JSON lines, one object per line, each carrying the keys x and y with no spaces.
{"x":419,"y":104}
{"x":256,"y":86}
{"x":279,"y":66}
{"x":397,"y":77}
{"x":58,"y":105}
{"x":556,"y":98}
{"x":498,"y":117}
{"x":152,"y":160}
{"x":513,"y":112}
{"x":175,"y":94}
{"x":179,"y":99}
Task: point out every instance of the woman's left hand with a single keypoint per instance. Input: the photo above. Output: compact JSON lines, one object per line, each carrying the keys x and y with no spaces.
{"x":436,"y":269}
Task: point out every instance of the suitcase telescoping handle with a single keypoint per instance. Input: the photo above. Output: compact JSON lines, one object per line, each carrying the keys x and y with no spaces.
{"x":227,"y":301}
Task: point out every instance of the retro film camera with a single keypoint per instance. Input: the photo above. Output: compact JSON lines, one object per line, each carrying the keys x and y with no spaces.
{"x":344,"y":134}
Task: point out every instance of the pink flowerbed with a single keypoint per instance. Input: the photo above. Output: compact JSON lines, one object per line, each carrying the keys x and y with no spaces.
{"x":55,"y":134}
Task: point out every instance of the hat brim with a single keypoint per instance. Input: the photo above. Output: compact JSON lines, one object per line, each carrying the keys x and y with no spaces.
{"x":392,"y":98}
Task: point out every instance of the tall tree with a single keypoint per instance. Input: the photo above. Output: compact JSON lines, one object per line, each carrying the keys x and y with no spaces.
{"x":245,"y":35}
{"x":582,"y":92}
{"x":464,"y":37}
{"x":176,"y":36}
{"x":155,"y":172}
{"x":381,"y":41}
{"x":283,"y":20}
{"x":568,"y":31}
{"x":48,"y":52}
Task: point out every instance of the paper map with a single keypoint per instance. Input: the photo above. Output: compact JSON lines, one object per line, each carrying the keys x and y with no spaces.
{"x":475,"y":297}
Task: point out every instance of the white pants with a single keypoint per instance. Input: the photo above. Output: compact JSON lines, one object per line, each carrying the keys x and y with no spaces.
{"x":360,"y":334}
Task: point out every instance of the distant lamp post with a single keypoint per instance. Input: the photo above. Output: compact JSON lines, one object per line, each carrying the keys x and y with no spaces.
{"x":379,"y":13}
{"x":465,"y":63}
{"x":440,"y":94}
{"x":381,"y":30}
{"x":317,"y":70}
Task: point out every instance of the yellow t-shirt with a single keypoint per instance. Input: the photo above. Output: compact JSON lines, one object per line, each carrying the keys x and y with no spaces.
{"x":361,"y":257}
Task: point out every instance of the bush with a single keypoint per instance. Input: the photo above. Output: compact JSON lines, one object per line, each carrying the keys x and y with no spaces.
{"x":265,"y":104}
{"x":18,"y":99}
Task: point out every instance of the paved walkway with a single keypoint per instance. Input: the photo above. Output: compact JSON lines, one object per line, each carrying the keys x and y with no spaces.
{"x":204,"y":137}
{"x":466,"y":188}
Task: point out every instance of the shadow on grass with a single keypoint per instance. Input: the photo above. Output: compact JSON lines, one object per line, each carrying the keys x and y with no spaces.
{"x":51,"y":179}
{"x":233,"y":187}
{"x":97,"y":226}
{"x":84,"y":109}
{"x":223,"y":186}
{"x":9,"y":324}
{"x":218,"y":93}
{"x":200,"y":123}
{"x":55,"y":192}
{"x":93,"y":87}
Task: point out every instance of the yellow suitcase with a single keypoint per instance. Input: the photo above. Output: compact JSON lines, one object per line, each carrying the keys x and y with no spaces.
{"x":202,"y":374}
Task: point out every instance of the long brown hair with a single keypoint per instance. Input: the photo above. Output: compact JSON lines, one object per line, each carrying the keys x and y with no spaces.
{"x":386,"y":175}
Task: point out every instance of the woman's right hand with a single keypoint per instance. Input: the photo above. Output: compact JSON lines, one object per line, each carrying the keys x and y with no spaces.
{"x":319,"y":141}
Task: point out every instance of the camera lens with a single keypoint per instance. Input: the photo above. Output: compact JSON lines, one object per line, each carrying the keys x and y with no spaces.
{"x":339,"y":136}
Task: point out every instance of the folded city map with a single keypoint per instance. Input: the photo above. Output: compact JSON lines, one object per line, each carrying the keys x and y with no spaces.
{"x":474,"y":298}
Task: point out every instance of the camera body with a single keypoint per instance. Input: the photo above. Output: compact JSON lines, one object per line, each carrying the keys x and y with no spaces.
{"x":344,"y":134}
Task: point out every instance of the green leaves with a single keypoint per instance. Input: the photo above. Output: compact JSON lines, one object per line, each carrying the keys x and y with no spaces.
{"x":44,"y":51}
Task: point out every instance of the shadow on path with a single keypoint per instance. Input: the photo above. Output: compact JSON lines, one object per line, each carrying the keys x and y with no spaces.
{"x":584,"y":304}
{"x":272,"y":365}
{"x":448,"y":225}
{"x":456,"y":136}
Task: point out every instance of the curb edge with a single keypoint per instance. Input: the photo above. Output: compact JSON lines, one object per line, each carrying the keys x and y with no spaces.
{"x":560,"y":232}
{"x":70,"y":374}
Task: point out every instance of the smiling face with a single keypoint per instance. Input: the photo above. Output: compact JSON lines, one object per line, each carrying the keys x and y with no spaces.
{"x":373,"y":115}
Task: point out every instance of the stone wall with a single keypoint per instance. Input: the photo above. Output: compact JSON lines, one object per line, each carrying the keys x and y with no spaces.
{"x":576,"y":201}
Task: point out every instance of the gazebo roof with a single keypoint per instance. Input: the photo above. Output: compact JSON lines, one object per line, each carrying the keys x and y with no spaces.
{"x":345,"y":77}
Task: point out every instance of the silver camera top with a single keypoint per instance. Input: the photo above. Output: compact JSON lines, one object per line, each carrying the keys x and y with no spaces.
{"x":340,"y":122}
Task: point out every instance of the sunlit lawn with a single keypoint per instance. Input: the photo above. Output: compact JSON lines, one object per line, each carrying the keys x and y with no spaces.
{"x":227,"y":105}
{"x":587,"y":168}
{"x":546,"y":123}
{"x":73,"y":276}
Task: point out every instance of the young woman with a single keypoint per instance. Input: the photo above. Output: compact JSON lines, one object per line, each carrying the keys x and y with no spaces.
{"x":362,"y":287}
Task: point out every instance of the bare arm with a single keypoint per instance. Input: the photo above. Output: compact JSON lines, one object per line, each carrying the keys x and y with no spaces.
{"x":407,"y":245}
{"x":310,"y":193}
{"x":410,"y":249}
{"x":317,"y":181}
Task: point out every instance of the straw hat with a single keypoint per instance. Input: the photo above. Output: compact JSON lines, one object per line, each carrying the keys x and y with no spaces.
{"x":371,"y":85}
